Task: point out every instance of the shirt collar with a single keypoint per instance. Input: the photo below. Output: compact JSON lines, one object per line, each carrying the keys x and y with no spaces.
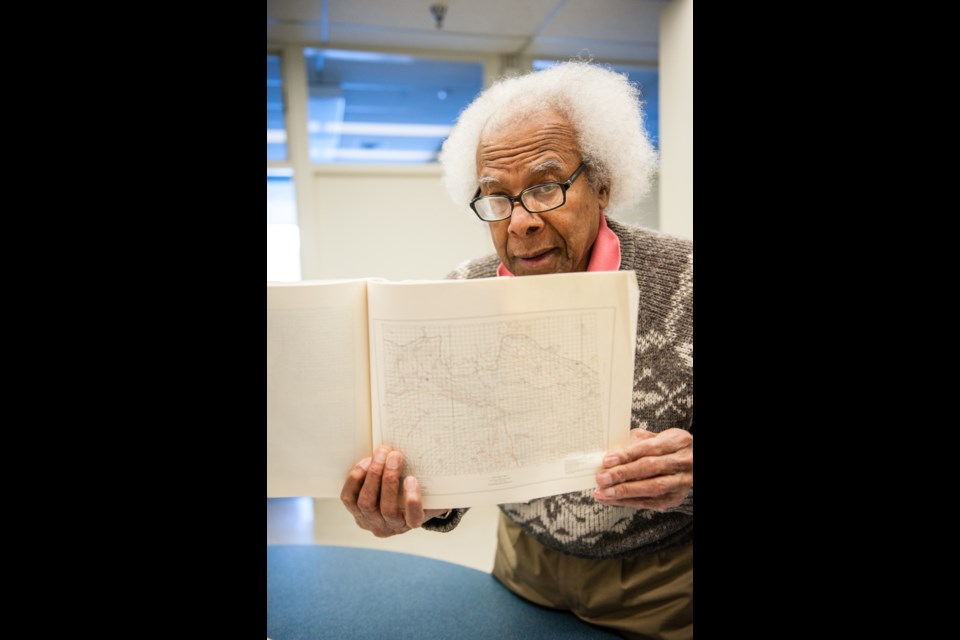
{"x":604,"y":257}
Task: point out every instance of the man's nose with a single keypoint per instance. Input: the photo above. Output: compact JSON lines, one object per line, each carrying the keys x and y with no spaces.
{"x":522,"y":222}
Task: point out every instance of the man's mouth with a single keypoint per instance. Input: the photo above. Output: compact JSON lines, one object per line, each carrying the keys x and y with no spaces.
{"x":535,"y":257}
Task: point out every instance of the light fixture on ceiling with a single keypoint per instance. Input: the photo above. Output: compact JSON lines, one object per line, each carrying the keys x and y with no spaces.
{"x":438,"y":11}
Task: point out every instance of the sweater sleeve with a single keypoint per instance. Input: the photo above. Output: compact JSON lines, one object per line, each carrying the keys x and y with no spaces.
{"x":449,"y":523}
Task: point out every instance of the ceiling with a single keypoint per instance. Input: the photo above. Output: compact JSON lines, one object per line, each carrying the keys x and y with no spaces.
{"x":624,"y":31}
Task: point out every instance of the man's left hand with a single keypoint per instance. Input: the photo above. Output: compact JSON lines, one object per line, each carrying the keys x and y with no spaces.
{"x":655,"y":471}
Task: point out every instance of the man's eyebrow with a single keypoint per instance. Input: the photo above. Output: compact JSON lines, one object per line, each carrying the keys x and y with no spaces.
{"x":544,"y":167}
{"x":547,"y":166}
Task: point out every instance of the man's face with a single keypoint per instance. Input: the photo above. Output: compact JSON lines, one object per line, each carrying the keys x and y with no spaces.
{"x":541,"y":149}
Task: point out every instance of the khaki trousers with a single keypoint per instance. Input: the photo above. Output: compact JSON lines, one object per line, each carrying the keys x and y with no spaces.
{"x":650,"y":597}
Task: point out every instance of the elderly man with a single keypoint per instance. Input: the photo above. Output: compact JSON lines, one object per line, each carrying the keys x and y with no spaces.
{"x":543,"y":159}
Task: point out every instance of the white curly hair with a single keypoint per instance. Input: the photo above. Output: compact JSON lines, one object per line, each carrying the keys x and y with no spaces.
{"x":603,"y":107}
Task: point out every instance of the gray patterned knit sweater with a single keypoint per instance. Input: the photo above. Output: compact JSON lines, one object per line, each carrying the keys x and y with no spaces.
{"x":574,"y":523}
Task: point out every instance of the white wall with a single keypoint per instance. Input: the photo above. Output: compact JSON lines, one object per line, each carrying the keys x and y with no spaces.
{"x":391,"y":222}
{"x":397,"y":222}
{"x":676,"y":118}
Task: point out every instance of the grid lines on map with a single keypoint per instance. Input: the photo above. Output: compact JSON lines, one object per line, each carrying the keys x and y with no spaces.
{"x":473,"y":397}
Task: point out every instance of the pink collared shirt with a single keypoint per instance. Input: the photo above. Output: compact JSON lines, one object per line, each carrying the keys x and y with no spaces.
{"x":604,"y":257}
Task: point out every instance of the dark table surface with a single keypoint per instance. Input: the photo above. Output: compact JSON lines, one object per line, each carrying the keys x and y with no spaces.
{"x":320,"y":591}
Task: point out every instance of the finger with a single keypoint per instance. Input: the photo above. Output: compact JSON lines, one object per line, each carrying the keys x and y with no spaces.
{"x":647,"y":467}
{"x":663,"y":443}
{"x":655,"y":488}
{"x":664,"y":454}
{"x":619,"y":456}
{"x":412,"y":503}
{"x":390,"y":497}
{"x":369,"y":499}
{"x":352,"y":485}
{"x":642,"y":434}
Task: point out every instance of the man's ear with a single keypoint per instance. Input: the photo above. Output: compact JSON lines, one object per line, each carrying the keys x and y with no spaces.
{"x":603,"y":196}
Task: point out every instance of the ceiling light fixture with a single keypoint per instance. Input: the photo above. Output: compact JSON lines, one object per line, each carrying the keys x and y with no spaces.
{"x":438,"y":11}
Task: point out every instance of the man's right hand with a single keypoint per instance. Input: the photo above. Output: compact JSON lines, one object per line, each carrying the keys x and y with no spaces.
{"x":372,"y":493}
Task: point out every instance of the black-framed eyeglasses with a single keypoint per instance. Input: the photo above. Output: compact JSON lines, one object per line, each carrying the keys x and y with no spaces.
{"x":539,"y":198}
